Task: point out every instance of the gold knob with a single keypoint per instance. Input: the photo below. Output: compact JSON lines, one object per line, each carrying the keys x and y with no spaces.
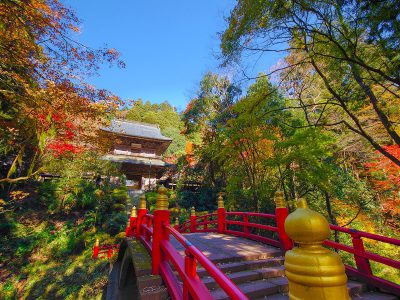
{"x":162,"y":199}
{"x":279,"y":200}
{"x":220,"y":200}
{"x":142,"y":202}
{"x":133,"y":212}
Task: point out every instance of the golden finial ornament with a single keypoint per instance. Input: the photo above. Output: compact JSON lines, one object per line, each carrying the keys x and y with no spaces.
{"x":279,"y":200}
{"x":142,"y":202}
{"x":192,"y":212}
{"x":133,"y":212}
{"x":176,"y":222}
{"x":162,"y":199}
{"x":220,"y":200}
{"x":313,"y":271}
{"x":97,"y":243}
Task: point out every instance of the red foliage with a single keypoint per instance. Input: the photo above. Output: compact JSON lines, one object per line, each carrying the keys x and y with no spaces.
{"x":386,"y":179}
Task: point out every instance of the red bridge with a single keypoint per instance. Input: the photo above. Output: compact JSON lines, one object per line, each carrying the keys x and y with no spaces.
{"x":243,"y":255}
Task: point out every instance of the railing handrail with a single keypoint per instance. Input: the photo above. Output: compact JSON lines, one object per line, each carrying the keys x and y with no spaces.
{"x":251,"y":214}
{"x":224,"y":281}
{"x":367,"y":235}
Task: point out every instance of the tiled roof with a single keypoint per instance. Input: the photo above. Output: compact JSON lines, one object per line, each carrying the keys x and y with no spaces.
{"x":135,"y":160}
{"x":136,"y":129}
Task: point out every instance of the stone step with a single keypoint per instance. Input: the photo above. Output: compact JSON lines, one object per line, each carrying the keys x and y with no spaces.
{"x":245,"y":265}
{"x":257,"y":289}
{"x":374,"y":296}
{"x":357,"y":291}
{"x":246,"y":276}
{"x":355,"y":287}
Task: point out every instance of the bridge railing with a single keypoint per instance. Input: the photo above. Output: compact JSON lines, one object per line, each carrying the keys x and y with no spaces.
{"x":362,"y":257}
{"x":242,"y":223}
{"x":193,"y":287}
{"x":154,"y":231}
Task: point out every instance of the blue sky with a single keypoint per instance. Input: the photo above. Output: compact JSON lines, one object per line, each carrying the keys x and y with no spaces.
{"x":167,"y":45}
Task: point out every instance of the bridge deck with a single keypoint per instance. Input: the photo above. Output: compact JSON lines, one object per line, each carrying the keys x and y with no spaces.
{"x":222,"y":248}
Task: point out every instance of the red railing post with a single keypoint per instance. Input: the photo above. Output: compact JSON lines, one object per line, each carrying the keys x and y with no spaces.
{"x":148,"y":235}
{"x":141,"y":212}
{"x":246,"y":221}
{"x":221,"y":214}
{"x":96,"y":249}
{"x":190,"y":270}
{"x":192,"y":220}
{"x":281,"y":212}
{"x":132,"y":221}
{"x":161,"y":216}
{"x":362,"y":263}
{"x":109,"y":252}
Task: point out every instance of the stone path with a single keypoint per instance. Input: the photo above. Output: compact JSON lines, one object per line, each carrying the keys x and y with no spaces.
{"x":222,"y":248}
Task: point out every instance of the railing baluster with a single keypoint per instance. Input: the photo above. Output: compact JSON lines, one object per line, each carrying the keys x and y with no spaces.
{"x":362,"y":263}
{"x":246,"y":220}
{"x":149,"y":224}
{"x":190,"y":271}
{"x":205,"y":227}
{"x":221,"y":214}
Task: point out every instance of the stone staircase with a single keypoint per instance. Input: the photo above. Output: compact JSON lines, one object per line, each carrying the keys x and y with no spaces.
{"x":257,"y":269}
{"x":265,"y":279}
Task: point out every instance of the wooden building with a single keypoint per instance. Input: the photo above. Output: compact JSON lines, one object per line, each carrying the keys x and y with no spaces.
{"x":139,"y":148}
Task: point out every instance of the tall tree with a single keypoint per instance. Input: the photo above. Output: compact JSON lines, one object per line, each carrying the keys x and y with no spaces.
{"x":347,"y":47}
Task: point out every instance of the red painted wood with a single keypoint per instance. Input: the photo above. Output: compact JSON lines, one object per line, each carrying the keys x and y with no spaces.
{"x":221,"y":213}
{"x":224,"y":282}
{"x":159,"y":234}
{"x":374,"y":281}
{"x":139,"y":221}
{"x":281,"y":215}
{"x":362,"y":262}
{"x":195,"y":286}
{"x":170,"y":280}
{"x":255,"y":225}
{"x":95,"y":251}
{"x":193,"y":221}
{"x":254,"y":237}
{"x":367,"y":235}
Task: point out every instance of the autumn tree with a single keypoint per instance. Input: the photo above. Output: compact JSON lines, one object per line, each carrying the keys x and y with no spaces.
{"x":46,"y":106}
{"x":347,"y":50}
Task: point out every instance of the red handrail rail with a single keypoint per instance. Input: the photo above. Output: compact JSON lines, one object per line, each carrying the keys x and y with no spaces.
{"x":195,"y":254}
{"x":362,"y":257}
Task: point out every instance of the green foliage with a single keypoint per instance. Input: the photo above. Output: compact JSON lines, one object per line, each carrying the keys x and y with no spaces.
{"x":165,"y":116}
{"x":49,"y":250}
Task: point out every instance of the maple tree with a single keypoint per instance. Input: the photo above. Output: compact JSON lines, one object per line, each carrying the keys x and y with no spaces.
{"x":385,"y":176}
{"x":46,"y":106}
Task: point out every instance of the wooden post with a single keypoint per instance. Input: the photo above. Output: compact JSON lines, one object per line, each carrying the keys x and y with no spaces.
{"x":132,"y":221}
{"x":96,"y":249}
{"x":221,"y":213}
{"x":362,"y":263}
{"x":141,"y":212}
{"x":281,"y":213}
{"x":190,"y":270}
{"x":192,"y":220}
{"x":246,"y":221}
{"x":161,"y":215}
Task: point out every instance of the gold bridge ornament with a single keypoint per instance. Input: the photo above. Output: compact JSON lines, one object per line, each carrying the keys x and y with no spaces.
{"x":313,"y":271}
